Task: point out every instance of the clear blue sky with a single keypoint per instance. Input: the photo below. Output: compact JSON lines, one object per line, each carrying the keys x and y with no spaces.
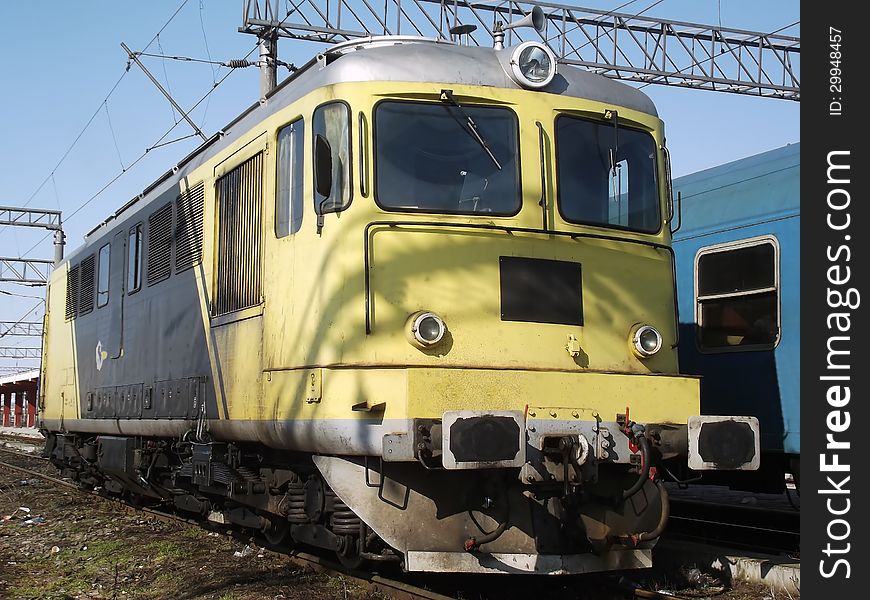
{"x":61,"y":59}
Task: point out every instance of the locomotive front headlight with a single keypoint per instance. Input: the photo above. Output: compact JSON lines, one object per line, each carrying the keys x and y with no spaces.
{"x":646,"y":341}
{"x":426,"y":329}
{"x":533,"y":65}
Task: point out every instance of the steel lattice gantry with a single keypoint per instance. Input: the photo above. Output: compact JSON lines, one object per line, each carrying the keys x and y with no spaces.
{"x":25,"y":270}
{"x":30,"y":217}
{"x":20,"y":328}
{"x":16,"y":352}
{"x":617,"y":45}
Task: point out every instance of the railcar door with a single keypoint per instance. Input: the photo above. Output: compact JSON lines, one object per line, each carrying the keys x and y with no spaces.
{"x":114,"y":338}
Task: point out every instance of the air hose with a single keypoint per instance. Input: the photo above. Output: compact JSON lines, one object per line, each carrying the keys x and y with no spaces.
{"x":645,"y":462}
{"x":473,"y":543}
{"x":636,"y":538}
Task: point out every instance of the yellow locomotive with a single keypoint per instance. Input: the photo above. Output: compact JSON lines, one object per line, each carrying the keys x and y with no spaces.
{"x":415,"y":305}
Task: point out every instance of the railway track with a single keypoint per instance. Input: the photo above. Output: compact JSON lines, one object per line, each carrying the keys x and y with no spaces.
{"x":411,"y":586}
{"x":773,"y":531}
{"x":376,"y":583}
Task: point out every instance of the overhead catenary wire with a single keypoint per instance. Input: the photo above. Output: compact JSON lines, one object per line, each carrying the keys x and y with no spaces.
{"x":114,"y":138}
{"x":213,"y":69}
{"x":157,"y":144}
{"x":94,"y":116}
{"x":166,"y":78}
{"x":235,"y":63}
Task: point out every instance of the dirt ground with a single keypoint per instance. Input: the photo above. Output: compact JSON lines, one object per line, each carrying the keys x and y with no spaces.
{"x":60,"y":544}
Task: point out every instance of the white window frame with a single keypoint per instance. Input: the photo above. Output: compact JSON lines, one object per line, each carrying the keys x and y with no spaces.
{"x":735,"y":245}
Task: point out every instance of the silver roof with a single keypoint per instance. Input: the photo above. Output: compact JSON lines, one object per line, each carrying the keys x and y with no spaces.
{"x":433,"y":61}
{"x":386,"y":59}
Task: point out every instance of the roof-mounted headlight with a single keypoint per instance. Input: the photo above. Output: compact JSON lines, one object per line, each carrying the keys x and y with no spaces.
{"x":533,"y":65}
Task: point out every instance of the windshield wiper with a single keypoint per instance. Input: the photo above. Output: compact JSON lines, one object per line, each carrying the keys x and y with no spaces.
{"x":447,"y":96}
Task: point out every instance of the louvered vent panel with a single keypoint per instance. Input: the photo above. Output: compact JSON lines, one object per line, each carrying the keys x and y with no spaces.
{"x":72,"y":292}
{"x":238,"y":267}
{"x":160,"y":244}
{"x":86,"y":291}
{"x":188,"y":229}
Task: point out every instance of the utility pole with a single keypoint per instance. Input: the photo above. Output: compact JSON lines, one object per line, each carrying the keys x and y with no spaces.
{"x":265,"y":14}
{"x":268,"y":62}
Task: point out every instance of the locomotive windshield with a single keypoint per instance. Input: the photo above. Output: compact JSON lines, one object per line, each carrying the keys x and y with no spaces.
{"x":606,"y":175}
{"x":428,"y":159}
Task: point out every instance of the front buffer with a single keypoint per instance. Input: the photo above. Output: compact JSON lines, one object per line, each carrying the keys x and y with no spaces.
{"x":553,"y":486}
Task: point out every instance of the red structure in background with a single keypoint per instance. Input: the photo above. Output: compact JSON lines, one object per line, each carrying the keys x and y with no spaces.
{"x":18,"y":397}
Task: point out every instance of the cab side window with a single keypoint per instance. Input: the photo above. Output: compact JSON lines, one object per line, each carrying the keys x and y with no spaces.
{"x":288,"y":199}
{"x":134,"y":259}
{"x":331,"y":132}
{"x":103,"y":277}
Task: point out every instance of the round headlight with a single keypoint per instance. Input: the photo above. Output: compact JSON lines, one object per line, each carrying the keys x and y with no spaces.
{"x":533,"y":65}
{"x":646,"y":341}
{"x":427,"y":328}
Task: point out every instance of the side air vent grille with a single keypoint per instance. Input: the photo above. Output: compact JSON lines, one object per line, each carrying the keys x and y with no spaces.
{"x":86,"y":291}
{"x":72,"y":292}
{"x":160,"y":244}
{"x":239,"y":195}
{"x":188,"y":228}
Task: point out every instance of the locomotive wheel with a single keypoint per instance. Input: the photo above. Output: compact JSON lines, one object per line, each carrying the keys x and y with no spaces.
{"x":276,"y":532}
{"x":349,"y":556}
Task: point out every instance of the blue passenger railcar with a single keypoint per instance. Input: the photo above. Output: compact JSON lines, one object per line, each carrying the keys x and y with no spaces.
{"x":738,"y":277}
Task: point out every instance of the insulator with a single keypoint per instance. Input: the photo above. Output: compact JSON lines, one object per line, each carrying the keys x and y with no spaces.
{"x":238,"y":63}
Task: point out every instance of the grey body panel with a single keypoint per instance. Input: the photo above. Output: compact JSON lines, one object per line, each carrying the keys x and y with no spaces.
{"x":328,"y":436}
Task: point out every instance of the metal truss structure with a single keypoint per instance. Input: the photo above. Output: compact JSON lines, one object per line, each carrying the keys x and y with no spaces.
{"x":25,"y":270}
{"x":20,"y":328}
{"x":12,"y":370}
{"x":617,"y":45}
{"x":30,"y":217}
{"x":15,"y":352}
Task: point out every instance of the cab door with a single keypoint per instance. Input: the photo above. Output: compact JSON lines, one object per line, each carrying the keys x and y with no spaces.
{"x":114,"y":338}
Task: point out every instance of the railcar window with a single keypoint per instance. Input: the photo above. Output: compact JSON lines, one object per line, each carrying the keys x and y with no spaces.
{"x":103,"y":279}
{"x":427,"y":159}
{"x":134,"y":259}
{"x":606,"y":176}
{"x":738,"y":296}
{"x":332,"y":121}
{"x":289,"y":199}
